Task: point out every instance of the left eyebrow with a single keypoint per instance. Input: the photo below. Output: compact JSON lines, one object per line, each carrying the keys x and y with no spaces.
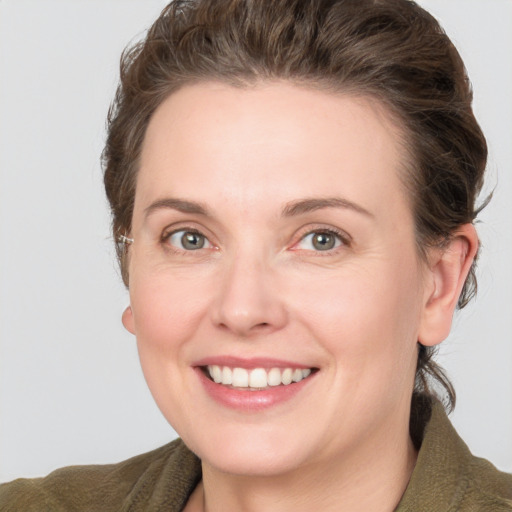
{"x":307,"y":205}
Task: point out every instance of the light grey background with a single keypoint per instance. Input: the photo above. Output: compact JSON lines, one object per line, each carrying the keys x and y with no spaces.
{"x":71,"y":390}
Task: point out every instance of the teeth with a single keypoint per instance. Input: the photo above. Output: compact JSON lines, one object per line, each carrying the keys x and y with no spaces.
{"x":216,"y":374}
{"x":240,"y":378}
{"x":274,"y":377}
{"x":286,"y":377}
{"x":227,"y":375}
{"x":297,"y":375}
{"x":257,"y":378}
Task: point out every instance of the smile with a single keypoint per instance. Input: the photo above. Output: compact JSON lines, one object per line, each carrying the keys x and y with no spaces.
{"x":257,"y":378}
{"x":255,"y":384}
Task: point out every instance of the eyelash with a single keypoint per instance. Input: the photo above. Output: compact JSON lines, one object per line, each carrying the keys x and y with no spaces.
{"x":167,"y":235}
{"x":343,"y":237}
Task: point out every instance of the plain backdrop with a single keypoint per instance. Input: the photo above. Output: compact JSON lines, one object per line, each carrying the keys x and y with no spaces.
{"x":71,"y":390}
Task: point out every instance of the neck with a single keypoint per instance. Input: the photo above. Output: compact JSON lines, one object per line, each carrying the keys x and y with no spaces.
{"x":371,"y":480}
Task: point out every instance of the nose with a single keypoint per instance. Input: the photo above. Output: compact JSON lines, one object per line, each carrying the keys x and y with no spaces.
{"x":248,"y":300}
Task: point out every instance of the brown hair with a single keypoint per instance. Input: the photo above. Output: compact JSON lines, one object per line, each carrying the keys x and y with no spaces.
{"x":391,"y":50}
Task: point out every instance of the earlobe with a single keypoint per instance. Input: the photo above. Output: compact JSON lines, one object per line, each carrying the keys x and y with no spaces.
{"x":448,"y":268}
{"x":127,"y":320}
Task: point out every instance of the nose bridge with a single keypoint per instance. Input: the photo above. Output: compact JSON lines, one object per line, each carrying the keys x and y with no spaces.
{"x":248,"y":297}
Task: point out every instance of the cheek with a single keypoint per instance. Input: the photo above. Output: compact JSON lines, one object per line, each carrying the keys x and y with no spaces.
{"x":167,"y":310}
{"x":364,"y":315}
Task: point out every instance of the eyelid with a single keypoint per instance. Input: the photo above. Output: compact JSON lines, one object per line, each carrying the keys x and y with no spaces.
{"x":344,"y":237}
{"x":185,"y":232}
{"x":171,"y":230}
{"x":186,"y":225}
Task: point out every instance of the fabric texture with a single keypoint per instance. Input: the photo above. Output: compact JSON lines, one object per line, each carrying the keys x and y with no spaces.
{"x":447,"y":478}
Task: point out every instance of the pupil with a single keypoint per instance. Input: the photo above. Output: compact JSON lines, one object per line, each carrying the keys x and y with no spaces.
{"x":323,"y":241}
{"x":192,"y":241}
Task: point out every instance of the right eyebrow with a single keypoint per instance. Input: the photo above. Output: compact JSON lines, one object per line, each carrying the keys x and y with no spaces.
{"x":180,"y":205}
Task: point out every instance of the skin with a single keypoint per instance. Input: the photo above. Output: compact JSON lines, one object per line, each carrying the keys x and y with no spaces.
{"x":260,"y":288}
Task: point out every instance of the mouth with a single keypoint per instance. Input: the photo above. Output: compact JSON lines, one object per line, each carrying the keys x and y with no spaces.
{"x":256,"y":379}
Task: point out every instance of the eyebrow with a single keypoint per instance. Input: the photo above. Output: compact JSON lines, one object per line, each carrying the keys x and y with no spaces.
{"x":302,"y":206}
{"x":180,"y":205}
{"x":291,"y":209}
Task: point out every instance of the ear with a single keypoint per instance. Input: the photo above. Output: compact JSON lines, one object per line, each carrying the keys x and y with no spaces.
{"x":447,"y":270}
{"x":127,"y":320}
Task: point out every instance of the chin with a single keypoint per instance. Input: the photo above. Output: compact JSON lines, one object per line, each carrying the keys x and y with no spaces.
{"x":257,"y":453}
{"x":262,"y":464}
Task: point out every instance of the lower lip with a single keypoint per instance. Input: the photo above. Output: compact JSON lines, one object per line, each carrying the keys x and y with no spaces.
{"x":247,"y":400}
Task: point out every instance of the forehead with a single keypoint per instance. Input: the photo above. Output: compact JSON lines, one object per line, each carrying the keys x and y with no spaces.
{"x":271,"y":141}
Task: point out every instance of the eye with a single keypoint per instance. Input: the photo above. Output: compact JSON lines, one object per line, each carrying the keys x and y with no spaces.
{"x":188,"y":240}
{"x":320,"y":241}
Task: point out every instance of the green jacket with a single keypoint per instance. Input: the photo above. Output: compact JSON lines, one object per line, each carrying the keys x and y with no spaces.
{"x":447,"y":478}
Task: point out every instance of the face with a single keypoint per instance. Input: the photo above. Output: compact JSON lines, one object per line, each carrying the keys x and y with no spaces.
{"x":276,"y":292}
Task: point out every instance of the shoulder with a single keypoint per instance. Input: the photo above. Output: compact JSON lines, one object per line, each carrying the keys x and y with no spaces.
{"x":167,"y":474}
{"x":490,"y":488}
{"x":448,"y":477}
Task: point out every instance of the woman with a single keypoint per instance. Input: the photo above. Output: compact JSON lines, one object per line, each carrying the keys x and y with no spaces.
{"x":293,"y":188}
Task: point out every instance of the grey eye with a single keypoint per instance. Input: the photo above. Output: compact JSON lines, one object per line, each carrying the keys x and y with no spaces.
{"x":320,"y":241}
{"x":323,"y":241}
{"x":189,"y":240}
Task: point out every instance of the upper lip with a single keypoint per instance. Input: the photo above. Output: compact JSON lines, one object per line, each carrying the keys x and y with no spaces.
{"x":250,"y":363}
